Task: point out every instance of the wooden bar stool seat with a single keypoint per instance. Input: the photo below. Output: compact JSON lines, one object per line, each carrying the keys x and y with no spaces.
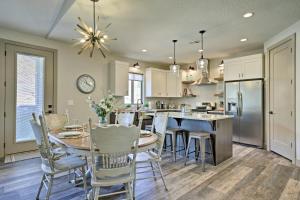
{"x":200,"y":137}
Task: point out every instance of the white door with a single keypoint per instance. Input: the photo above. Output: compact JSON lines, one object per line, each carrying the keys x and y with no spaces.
{"x":29,"y":89}
{"x":282,"y":121}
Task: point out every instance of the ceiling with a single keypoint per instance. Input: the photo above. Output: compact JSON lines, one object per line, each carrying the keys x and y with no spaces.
{"x":153,"y":24}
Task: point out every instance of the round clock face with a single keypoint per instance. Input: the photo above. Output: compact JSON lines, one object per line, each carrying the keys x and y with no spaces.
{"x":86,"y":84}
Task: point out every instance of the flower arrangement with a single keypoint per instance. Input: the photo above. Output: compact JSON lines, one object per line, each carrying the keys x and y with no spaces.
{"x":103,"y":108}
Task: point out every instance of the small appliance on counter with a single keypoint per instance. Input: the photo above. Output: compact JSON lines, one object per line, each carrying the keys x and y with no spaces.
{"x":185,"y":108}
{"x":204,"y":107}
{"x":160,"y":105}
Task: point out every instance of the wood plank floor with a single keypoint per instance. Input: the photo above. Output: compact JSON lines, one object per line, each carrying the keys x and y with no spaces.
{"x":250,"y":174}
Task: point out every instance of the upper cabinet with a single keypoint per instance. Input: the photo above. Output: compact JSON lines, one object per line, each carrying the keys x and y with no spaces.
{"x":174,"y":85}
{"x":243,"y":68}
{"x":118,"y":78}
{"x":162,"y":83}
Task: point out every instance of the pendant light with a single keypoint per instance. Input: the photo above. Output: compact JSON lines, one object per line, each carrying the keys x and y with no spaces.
{"x":136,"y":65}
{"x":202,"y":62}
{"x":93,"y":38}
{"x":221,"y":64}
{"x":174,"y":67}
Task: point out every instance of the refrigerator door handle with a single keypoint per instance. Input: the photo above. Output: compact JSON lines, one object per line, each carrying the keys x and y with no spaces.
{"x":238,"y":105}
{"x":241,"y":104}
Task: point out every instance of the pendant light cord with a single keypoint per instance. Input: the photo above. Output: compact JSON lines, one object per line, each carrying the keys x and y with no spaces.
{"x":174,"y":54}
{"x":94,"y":15}
{"x":202,"y":45}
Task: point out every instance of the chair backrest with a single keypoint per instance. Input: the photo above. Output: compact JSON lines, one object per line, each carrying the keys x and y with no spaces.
{"x":125,"y":118}
{"x":42,"y":142}
{"x":55,"y":121}
{"x":160,"y":121}
{"x":113,"y":145}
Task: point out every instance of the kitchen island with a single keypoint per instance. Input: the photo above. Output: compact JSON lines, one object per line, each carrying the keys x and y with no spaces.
{"x":220,"y":127}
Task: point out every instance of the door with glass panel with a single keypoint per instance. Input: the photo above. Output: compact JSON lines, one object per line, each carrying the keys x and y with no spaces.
{"x":29,"y":75}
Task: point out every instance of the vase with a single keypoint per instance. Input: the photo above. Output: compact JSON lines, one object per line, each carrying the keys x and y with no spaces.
{"x":102,"y":120}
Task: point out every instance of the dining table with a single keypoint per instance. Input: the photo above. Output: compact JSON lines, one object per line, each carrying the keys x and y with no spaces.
{"x":81,"y":143}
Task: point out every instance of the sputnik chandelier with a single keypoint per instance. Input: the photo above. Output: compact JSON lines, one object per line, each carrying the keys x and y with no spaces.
{"x":93,"y":38}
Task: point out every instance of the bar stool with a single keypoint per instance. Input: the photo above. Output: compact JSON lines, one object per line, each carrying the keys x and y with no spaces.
{"x":202,"y":137}
{"x":173,"y":133}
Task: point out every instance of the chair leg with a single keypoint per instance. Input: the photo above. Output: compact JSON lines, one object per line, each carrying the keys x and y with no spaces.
{"x":96,"y":193}
{"x":49,"y":187}
{"x":196,"y":149}
{"x":183,"y":141}
{"x":162,"y":175}
{"x":40,"y":188}
{"x":174,"y":143}
{"x":84,"y":181}
{"x":130,"y":191}
{"x":187,"y":151}
{"x":153,"y":171}
{"x":202,"y":146}
{"x":134,"y":181}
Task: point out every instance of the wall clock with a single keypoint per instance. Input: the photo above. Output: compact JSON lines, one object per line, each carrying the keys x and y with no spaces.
{"x":86,"y":84}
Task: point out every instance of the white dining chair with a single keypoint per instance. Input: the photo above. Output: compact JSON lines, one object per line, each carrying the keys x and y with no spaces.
{"x":125,"y":118}
{"x":52,"y":165}
{"x":113,"y":153}
{"x":153,"y":156}
{"x":55,"y":121}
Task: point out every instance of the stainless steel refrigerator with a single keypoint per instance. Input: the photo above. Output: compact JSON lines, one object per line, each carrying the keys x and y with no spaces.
{"x":244,"y":100}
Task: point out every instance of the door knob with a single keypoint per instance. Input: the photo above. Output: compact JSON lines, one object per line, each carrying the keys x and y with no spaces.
{"x":271,"y":113}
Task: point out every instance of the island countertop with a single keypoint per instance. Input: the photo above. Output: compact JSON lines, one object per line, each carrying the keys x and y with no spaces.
{"x":196,"y":116}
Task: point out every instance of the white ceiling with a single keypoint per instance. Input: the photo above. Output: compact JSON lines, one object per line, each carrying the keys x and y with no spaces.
{"x":153,"y":24}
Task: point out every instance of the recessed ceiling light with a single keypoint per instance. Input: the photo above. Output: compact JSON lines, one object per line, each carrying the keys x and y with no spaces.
{"x":144,"y":50}
{"x":200,"y":50}
{"x":248,"y":14}
{"x":170,"y":57}
{"x":243,"y":39}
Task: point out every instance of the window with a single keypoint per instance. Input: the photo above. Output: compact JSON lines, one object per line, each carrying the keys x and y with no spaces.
{"x":135,"y":88}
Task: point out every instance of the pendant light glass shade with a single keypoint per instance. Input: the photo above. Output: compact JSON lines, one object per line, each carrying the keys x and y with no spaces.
{"x":202,"y":62}
{"x":174,"y":67}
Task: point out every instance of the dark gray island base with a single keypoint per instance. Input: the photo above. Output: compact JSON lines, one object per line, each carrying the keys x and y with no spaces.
{"x":220,"y":127}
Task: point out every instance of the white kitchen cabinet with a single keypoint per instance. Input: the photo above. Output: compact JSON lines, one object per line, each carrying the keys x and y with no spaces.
{"x":118,"y":78}
{"x":232,"y":70}
{"x":243,"y":68}
{"x":171,"y":84}
{"x":155,"y":83}
{"x":162,"y":83}
{"x":179,"y":85}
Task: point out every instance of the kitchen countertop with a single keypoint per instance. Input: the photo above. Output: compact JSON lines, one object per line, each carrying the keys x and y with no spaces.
{"x":197,"y":116}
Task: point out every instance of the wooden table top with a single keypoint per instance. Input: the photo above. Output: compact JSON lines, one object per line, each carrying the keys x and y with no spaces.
{"x":83,"y":143}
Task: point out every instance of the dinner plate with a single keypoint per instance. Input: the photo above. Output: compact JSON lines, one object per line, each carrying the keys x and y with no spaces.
{"x":145,"y":132}
{"x":70,"y":133}
{"x":73,"y":126}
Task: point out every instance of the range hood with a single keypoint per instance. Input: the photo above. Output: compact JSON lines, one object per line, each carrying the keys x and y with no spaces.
{"x":204,"y":80}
